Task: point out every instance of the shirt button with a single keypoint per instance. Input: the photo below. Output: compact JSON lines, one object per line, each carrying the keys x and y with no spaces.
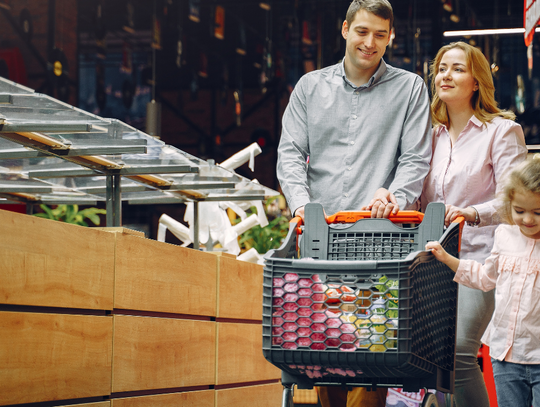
{"x":355,"y":117}
{"x":356,"y":92}
{"x":352,"y":142}
{"x":345,"y":194}
{"x":349,"y":168}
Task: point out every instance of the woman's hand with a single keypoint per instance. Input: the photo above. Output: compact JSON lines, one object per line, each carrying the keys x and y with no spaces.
{"x":452,"y":212}
{"x":383,"y":204}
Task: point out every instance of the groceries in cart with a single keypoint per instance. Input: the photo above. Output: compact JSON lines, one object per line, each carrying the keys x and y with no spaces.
{"x":321,"y":315}
{"x":354,"y":301}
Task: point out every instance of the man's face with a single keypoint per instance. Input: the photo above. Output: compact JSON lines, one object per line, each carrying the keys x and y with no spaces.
{"x":366,"y":40}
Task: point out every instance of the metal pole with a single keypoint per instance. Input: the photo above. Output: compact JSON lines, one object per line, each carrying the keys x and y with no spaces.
{"x":113,"y":200}
{"x":109,"y":198}
{"x":117,"y":200}
{"x":196,"y":225}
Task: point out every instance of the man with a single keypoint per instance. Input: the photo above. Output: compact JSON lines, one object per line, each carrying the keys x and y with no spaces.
{"x":356,"y":135}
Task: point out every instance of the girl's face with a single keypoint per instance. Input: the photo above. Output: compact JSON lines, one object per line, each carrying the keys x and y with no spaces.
{"x":454,"y":81}
{"x":526,"y":212}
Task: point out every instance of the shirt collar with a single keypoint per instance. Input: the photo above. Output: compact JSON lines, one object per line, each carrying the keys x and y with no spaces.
{"x":376,"y":77}
{"x":474,"y":120}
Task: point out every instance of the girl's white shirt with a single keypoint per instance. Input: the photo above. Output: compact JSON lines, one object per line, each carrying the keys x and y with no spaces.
{"x":513,"y":269}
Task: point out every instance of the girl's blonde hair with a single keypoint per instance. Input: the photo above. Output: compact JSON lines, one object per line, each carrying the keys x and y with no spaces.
{"x":524,"y":177}
{"x":483,"y":100}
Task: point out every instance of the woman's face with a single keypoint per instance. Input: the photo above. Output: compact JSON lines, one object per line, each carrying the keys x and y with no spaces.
{"x":454,"y":82}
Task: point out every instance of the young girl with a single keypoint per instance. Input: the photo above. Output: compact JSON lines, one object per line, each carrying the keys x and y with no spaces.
{"x":513,"y":268}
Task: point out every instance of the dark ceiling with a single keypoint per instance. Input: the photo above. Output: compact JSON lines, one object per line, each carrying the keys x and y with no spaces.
{"x":431,"y":17}
{"x":482,"y":13}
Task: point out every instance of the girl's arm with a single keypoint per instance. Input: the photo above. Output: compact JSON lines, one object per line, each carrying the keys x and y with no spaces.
{"x":471,"y":273}
{"x":440,"y":254}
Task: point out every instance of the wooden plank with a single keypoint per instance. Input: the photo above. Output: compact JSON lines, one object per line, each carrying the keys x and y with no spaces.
{"x":161,"y":277}
{"x":239,"y":289}
{"x":47,"y":357}
{"x":239,"y":355}
{"x":202,"y":398}
{"x":121,"y":230}
{"x":265,"y":395}
{"x":160,"y":353}
{"x":305,"y":396}
{"x":54,"y":264}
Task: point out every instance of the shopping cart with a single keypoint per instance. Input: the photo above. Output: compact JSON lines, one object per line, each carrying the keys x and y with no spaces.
{"x":353,"y":301}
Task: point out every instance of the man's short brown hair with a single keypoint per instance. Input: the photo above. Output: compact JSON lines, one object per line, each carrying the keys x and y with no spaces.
{"x":381,"y":8}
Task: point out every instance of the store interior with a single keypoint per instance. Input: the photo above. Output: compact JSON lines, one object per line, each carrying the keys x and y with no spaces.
{"x":209,"y":78}
{"x":221,"y":72}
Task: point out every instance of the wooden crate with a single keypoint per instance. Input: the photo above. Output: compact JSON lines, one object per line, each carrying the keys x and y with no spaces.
{"x":239,"y":355}
{"x":240,"y":289}
{"x":54,"y":357}
{"x":264,"y":395}
{"x":54,"y":264}
{"x":161,"y":353}
{"x":202,"y":398}
{"x":161,"y":277}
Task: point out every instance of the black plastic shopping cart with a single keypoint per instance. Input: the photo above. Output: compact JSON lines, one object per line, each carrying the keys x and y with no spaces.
{"x":353,"y":301}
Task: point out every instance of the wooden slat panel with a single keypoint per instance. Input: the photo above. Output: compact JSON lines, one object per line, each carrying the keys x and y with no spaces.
{"x":240,"y":289}
{"x":161,"y":277}
{"x":160,"y":353}
{"x":54,"y":357}
{"x":203,"y":398}
{"x":305,"y":396}
{"x":121,"y":230}
{"x":239,"y":355}
{"x":266,"y":395}
{"x":54,"y":264}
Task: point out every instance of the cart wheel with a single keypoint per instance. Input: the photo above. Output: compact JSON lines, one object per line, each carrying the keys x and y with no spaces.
{"x":450,"y":400}
{"x":287,"y":400}
{"x":430,"y":400}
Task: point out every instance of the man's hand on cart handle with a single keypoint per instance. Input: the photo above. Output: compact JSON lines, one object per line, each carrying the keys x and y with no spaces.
{"x":383,"y":204}
{"x":299,"y":212}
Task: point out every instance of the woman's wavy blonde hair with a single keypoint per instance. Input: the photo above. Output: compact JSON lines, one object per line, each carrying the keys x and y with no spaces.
{"x":483,"y":100}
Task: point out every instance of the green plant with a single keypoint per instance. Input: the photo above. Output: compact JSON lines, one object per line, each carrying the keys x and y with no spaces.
{"x":71,"y":214}
{"x":267,"y":238}
{"x":390,"y":288}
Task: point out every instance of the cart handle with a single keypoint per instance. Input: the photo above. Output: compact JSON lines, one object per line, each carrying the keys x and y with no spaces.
{"x":351,"y":217}
{"x":461,"y":221}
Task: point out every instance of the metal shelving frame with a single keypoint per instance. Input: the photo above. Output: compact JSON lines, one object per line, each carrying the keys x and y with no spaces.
{"x":54,"y":153}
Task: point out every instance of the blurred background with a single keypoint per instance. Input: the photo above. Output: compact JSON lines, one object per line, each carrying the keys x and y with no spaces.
{"x":211,"y":77}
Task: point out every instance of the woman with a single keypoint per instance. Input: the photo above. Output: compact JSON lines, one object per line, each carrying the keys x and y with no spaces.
{"x":474,"y":144}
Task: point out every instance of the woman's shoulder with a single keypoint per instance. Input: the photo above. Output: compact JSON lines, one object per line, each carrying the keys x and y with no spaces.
{"x":502,"y":123}
{"x":500,"y":128}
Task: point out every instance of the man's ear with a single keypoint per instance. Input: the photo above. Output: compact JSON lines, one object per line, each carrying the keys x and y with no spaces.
{"x":345,"y":29}
{"x":390,"y":36}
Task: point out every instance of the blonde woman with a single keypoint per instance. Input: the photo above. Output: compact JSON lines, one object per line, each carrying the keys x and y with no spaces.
{"x":474,"y":144}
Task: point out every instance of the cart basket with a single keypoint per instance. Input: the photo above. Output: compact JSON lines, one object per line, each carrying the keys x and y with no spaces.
{"x":362,"y":304}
